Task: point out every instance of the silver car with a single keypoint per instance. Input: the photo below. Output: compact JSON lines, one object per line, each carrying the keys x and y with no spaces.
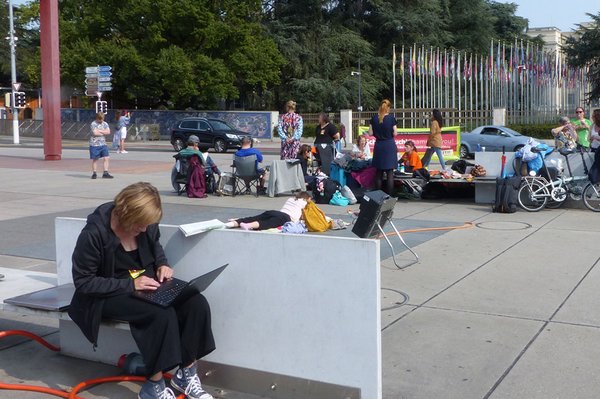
{"x":492,"y":138}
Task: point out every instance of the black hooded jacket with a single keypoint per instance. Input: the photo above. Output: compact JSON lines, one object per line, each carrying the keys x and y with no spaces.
{"x":94,"y":268}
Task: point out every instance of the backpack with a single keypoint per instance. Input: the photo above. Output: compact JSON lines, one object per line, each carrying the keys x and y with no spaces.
{"x":314,"y":218}
{"x":506,"y":194}
{"x":196,"y":185}
{"x":329,"y":188}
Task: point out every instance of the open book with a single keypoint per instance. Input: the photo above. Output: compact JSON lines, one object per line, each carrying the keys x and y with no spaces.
{"x":200,"y":227}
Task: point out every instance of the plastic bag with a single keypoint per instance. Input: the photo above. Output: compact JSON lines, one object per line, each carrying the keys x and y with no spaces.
{"x":339,"y":200}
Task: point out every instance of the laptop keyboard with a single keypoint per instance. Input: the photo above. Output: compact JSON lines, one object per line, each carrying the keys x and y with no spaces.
{"x":167,"y":292}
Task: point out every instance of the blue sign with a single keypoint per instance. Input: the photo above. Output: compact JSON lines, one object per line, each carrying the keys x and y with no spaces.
{"x":103,"y":73}
{"x":104,"y":68}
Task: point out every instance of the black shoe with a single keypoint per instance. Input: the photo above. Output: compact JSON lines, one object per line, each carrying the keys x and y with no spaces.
{"x":106,"y":175}
{"x":94,"y":175}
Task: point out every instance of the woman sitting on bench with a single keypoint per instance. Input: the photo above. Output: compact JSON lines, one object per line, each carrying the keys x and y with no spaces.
{"x":117,"y":252}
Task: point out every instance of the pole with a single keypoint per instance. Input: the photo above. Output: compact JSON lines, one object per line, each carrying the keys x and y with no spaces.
{"x":359,"y":88}
{"x":13,"y":72}
{"x":394,"y":74}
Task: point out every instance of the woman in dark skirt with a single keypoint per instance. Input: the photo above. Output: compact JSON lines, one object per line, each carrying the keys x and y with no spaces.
{"x":385,"y":154}
{"x":118,"y":252}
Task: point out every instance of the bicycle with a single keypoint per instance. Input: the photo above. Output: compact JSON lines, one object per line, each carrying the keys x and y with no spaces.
{"x":552,"y":188}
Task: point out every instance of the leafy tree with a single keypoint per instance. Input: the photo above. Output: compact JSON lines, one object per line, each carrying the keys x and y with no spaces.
{"x":583,"y":50}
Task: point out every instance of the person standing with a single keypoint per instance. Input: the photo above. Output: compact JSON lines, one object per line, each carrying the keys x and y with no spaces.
{"x":98,"y":147}
{"x":119,"y":252}
{"x":325,"y":136}
{"x":582,"y":128}
{"x":385,"y":154}
{"x":434,"y":141}
{"x":123,"y":119}
{"x":594,"y":134}
{"x":290,"y":130}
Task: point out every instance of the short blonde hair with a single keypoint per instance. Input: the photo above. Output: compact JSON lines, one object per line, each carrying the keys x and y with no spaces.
{"x":290,"y":105}
{"x":138,"y":205}
{"x":99,"y":116}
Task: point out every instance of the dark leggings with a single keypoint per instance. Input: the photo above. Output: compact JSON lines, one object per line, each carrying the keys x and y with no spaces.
{"x":267,"y":220}
{"x":166,"y":337}
{"x":389,"y":182}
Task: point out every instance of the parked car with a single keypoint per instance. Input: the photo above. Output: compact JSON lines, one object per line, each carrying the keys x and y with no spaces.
{"x":213,"y":133}
{"x":492,"y":138}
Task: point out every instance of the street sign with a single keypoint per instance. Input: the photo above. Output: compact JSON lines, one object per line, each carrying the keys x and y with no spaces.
{"x":91,"y":75}
{"x":104,"y":79}
{"x":104,"y":73}
{"x":104,"y":68}
{"x":91,"y":70}
{"x":91,"y":81}
{"x":16,"y":86}
{"x":91,"y":88}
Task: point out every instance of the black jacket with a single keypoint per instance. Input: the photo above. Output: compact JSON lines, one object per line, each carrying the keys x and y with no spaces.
{"x":94,"y":268}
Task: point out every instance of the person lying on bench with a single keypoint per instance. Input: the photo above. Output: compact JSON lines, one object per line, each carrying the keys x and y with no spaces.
{"x":118,"y":251}
{"x":290,"y":212}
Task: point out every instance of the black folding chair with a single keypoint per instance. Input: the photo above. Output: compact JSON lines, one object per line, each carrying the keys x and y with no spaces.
{"x":245,"y":174}
{"x":182,"y":177}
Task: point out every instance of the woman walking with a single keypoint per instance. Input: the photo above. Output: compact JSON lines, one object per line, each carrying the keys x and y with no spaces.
{"x":290,"y":131}
{"x":385,"y":154}
{"x":434,"y":141}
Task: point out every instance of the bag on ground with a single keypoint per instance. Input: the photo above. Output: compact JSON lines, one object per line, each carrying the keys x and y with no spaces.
{"x":226,"y":184}
{"x":325,"y":190}
{"x":314,"y":218}
{"x":346,"y":192}
{"x":339,"y":200}
{"x":506,"y":194}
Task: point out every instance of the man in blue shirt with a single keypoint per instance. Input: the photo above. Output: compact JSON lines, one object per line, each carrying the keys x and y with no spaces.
{"x":246,"y":151}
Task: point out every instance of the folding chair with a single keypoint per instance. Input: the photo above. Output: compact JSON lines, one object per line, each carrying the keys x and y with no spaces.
{"x":245,"y":174}
{"x":182,"y":177}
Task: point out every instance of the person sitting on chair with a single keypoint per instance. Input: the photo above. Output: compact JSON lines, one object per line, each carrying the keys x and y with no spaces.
{"x":191,"y":149}
{"x":246,"y":151}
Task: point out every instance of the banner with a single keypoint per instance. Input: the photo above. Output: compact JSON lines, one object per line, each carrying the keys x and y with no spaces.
{"x":450,"y":140}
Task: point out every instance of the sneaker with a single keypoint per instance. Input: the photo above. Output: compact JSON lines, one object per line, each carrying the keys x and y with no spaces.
{"x":94,"y":175}
{"x":186,"y":381}
{"x":156,"y":390}
{"x":105,"y":175}
{"x":124,"y":152}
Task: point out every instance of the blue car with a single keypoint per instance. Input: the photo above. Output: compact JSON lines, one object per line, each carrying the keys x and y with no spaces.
{"x":492,"y":138}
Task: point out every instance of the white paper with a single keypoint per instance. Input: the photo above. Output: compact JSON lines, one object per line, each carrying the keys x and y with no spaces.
{"x":191,"y":229}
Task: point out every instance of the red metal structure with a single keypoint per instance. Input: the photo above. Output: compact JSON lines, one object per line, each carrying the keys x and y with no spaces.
{"x":49,"y":41}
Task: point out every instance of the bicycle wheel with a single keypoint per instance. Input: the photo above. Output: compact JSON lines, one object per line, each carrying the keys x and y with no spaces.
{"x":554,"y":204}
{"x":591,"y":197}
{"x":532,"y":196}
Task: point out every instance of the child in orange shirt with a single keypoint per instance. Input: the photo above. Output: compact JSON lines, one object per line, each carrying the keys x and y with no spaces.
{"x":410,"y":158}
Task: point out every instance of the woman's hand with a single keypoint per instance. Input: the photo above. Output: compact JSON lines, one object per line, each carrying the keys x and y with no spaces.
{"x":163,"y":273}
{"x":145,"y":283}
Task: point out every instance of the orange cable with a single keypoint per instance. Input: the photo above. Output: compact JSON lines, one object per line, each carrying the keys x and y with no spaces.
{"x":467,"y":225}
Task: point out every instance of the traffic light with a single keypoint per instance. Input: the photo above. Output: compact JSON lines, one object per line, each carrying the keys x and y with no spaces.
{"x":20,"y":100}
{"x":101,"y":106}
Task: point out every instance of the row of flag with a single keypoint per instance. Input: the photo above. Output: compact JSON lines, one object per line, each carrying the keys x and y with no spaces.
{"x":522,"y":62}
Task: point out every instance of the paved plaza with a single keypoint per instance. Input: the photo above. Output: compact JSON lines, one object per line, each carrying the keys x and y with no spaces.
{"x":504,"y":307}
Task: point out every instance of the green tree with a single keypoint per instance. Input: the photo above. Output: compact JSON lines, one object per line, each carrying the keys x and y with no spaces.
{"x":178,"y":53}
{"x":583,"y":50}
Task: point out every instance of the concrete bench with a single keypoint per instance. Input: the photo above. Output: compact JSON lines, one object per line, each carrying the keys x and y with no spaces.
{"x":293,"y":316}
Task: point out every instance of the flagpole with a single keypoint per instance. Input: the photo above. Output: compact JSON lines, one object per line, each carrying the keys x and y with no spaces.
{"x":394,"y":74}
{"x":403,"y":72}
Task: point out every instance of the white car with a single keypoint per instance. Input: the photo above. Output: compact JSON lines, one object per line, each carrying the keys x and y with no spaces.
{"x":492,"y":138}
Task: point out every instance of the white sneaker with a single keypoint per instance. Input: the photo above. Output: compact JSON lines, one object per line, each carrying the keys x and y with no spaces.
{"x":124,"y":152}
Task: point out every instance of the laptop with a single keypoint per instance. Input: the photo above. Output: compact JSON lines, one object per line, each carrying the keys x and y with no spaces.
{"x":170,"y":290}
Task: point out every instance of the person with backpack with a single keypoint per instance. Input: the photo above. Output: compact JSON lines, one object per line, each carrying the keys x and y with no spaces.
{"x":291,"y":211}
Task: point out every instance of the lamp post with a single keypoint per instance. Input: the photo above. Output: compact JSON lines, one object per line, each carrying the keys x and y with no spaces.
{"x":359,"y":74}
{"x":12,"y":40}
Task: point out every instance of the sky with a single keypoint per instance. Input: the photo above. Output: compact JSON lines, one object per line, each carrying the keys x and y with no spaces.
{"x":563,"y":14}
